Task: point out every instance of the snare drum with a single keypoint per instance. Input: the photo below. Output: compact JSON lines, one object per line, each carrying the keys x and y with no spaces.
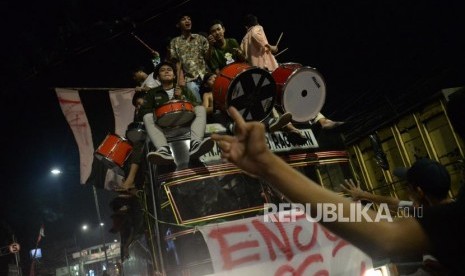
{"x":301,"y":90}
{"x":174,"y":113}
{"x":136,"y":132}
{"x":113,"y":152}
{"x":251,"y":90}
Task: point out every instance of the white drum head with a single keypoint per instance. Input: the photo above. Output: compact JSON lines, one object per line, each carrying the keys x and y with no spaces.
{"x":304,"y":94}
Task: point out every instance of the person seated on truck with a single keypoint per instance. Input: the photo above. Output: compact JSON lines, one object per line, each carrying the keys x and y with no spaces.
{"x":168,"y":90}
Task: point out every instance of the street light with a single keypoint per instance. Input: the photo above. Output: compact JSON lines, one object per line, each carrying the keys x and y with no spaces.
{"x":55,"y":171}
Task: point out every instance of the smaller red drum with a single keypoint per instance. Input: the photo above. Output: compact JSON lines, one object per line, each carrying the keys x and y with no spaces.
{"x":113,"y":152}
{"x":251,"y":90}
{"x":174,"y":113}
{"x":301,"y":90}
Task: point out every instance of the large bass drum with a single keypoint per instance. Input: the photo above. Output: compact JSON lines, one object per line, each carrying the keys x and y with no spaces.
{"x":251,"y":90}
{"x":301,"y":91}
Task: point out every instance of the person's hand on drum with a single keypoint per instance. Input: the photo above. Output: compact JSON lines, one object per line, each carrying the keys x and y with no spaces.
{"x":273,"y":49}
{"x":177,"y":93}
{"x":239,"y":54}
{"x":247,"y":149}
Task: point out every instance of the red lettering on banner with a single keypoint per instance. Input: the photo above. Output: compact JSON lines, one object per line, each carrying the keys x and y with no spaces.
{"x":330,"y":236}
{"x":340,"y":242}
{"x":293,"y":240}
{"x":302,"y":267}
{"x":227,"y":250}
{"x":269,"y":236}
{"x":312,"y":242}
{"x":363,"y":268}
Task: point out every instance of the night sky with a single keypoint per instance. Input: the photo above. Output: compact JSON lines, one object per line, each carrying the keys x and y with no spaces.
{"x":376,"y":57}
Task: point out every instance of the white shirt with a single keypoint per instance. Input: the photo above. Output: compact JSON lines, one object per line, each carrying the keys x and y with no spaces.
{"x":150,"y":82}
{"x":170,"y":93}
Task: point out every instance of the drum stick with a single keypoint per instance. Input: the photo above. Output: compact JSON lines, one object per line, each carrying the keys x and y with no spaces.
{"x":281,"y":52}
{"x":144,"y":44}
{"x":180,"y":80}
{"x":279,"y":39}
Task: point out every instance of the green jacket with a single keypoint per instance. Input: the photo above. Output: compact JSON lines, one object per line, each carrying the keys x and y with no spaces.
{"x":157,"y":96}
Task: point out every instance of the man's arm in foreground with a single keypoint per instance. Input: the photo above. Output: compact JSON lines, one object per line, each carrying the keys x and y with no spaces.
{"x":248,"y":150}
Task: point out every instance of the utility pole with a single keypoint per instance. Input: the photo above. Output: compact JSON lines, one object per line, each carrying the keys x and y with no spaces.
{"x":67,"y":263}
{"x":18,"y":267}
{"x":102,"y":234}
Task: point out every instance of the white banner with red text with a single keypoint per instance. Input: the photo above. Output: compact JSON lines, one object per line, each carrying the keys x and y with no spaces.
{"x":255,"y":246}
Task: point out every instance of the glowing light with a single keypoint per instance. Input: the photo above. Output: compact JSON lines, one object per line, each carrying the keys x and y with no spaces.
{"x":55,"y":171}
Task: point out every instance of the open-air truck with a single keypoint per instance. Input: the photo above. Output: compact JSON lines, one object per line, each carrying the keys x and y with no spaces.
{"x":178,"y":200}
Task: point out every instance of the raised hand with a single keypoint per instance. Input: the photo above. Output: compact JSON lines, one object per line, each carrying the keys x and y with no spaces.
{"x":353,"y":189}
{"x":247,"y":149}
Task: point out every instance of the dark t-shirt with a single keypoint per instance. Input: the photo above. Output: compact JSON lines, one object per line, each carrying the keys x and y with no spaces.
{"x":220,"y":57}
{"x":445,"y":226}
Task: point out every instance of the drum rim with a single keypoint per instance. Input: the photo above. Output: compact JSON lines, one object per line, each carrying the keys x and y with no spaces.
{"x":114,"y":134}
{"x":173,"y":102}
{"x":292,"y":75}
{"x":288,"y":63}
{"x":116,"y":168}
{"x":136,"y":124}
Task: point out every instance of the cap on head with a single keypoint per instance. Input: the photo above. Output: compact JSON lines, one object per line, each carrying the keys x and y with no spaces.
{"x":431,"y":176}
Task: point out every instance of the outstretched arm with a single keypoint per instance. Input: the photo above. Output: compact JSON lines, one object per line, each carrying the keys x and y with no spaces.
{"x":248,"y":150}
{"x":358,"y":194}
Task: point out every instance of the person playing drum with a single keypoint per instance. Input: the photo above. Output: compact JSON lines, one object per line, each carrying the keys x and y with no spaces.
{"x":161,"y":95}
{"x":258,"y":52}
{"x":222,"y":51}
{"x":128,"y":187}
